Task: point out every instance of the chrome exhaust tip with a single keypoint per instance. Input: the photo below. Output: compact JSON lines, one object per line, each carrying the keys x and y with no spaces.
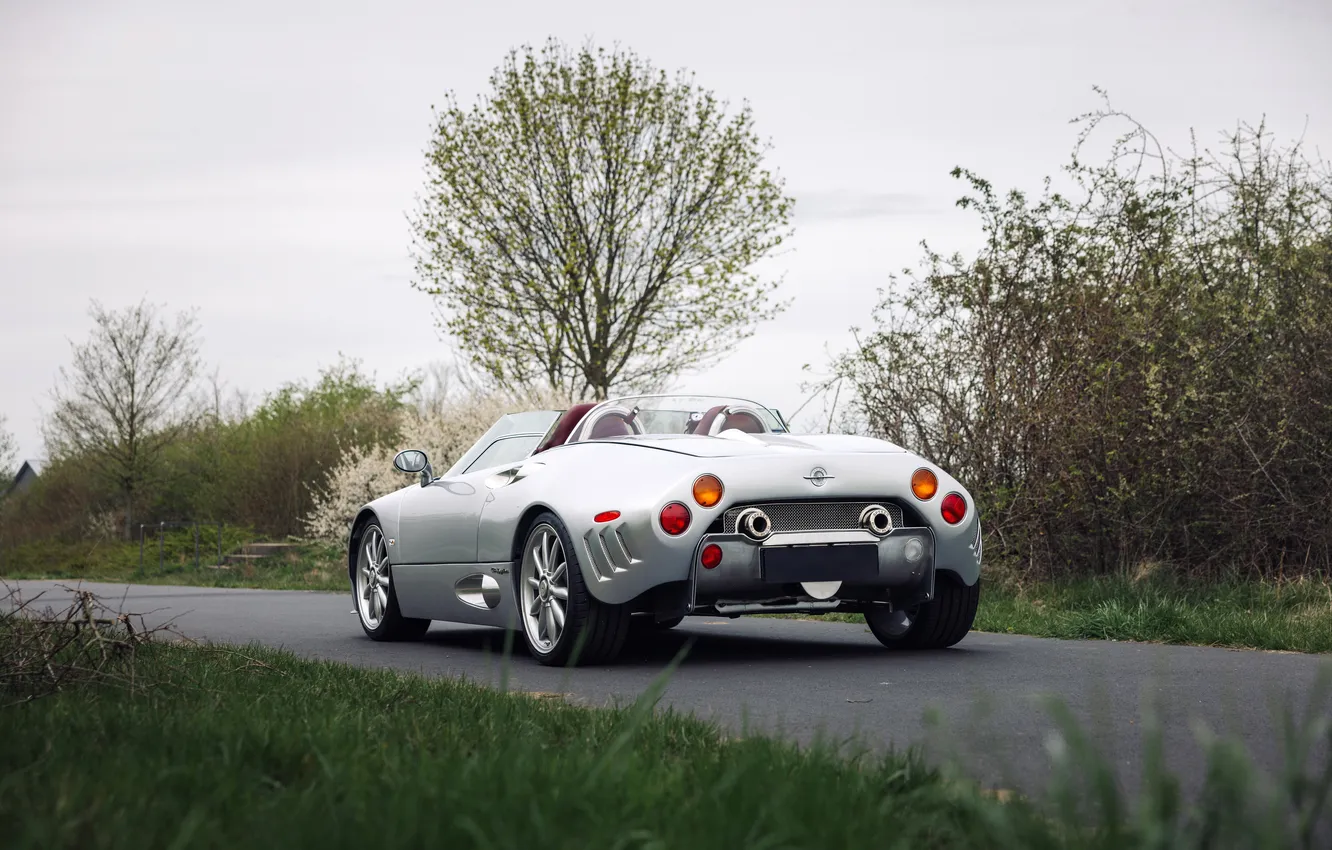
{"x":754,"y":524}
{"x":876,"y":520}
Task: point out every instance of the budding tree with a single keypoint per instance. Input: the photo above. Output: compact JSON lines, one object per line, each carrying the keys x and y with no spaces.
{"x":8,"y":455}
{"x":122,"y":401}
{"x":593,"y":223}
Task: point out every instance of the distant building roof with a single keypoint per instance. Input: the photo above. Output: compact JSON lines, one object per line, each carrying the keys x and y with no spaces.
{"x":27,"y":471}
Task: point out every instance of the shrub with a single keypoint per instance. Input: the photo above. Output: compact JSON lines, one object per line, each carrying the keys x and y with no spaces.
{"x":445,"y":427}
{"x":1140,"y":368}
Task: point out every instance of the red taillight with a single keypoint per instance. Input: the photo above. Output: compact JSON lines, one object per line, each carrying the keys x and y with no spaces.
{"x":606,"y":516}
{"x":674,"y":518}
{"x":711,"y":557}
{"x":953,"y":507}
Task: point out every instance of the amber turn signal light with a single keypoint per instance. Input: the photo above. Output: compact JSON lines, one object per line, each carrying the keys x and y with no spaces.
{"x":924,"y":484}
{"x":708,"y":490}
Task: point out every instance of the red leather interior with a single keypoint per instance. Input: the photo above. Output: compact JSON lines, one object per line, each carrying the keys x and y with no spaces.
{"x":740,"y":421}
{"x":565,"y":426}
{"x":610,"y":425}
{"x":746,"y":422}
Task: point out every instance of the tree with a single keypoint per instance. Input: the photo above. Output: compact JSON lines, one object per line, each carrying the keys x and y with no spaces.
{"x":592,"y":223}
{"x":8,"y":455}
{"x":123,"y":400}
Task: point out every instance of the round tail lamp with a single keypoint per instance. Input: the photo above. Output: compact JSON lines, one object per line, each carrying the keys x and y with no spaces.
{"x":674,"y":518}
{"x":924,"y":484}
{"x":711,"y":556}
{"x":708,"y":490}
{"x":954,"y":508}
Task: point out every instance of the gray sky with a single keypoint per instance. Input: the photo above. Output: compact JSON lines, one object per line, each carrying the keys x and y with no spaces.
{"x":256,"y":160}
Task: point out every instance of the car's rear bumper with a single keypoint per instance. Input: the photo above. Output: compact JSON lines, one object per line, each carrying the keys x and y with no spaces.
{"x":797,"y":571}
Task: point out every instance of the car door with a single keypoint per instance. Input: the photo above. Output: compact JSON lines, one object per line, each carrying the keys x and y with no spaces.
{"x":435,"y":570}
{"x":437,"y":523}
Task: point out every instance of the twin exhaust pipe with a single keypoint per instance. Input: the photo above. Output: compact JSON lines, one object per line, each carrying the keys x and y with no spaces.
{"x":876,"y":520}
{"x":755,"y":524}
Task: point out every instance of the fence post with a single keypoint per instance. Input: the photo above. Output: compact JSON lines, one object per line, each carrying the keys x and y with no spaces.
{"x":140,"y":546}
{"x":161,"y":533}
{"x":196,"y":545}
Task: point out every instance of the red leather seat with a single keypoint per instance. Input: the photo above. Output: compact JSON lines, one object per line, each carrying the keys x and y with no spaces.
{"x":746,"y":422}
{"x":565,"y":425}
{"x":610,"y":425}
{"x":739,"y":420}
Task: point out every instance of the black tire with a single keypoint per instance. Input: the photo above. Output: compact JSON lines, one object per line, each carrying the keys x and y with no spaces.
{"x":392,"y":625}
{"x":939,"y":623}
{"x":593,"y":631}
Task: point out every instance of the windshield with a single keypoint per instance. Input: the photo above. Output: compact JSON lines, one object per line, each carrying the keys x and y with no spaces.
{"x":676,"y":414}
{"x":531,"y":422}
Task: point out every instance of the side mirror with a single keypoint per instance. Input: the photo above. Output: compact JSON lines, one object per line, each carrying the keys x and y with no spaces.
{"x":412,"y":462}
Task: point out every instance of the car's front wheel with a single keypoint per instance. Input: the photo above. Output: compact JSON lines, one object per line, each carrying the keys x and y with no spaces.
{"x":563,"y":623}
{"x":939,"y":623}
{"x":376,"y":600}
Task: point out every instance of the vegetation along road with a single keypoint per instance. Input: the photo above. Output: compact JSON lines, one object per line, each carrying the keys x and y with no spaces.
{"x":806,"y":680}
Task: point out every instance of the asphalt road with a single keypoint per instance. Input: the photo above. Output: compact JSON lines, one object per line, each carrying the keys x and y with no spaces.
{"x":806,"y":679}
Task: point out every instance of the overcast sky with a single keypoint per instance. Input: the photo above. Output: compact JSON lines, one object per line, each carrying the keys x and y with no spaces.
{"x":256,"y":160}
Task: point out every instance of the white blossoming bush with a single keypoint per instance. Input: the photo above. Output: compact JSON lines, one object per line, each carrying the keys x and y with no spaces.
{"x":443,"y":430}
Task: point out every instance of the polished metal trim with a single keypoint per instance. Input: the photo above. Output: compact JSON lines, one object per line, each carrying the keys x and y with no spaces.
{"x":818,"y":476}
{"x":754,"y":524}
{"x":876,"y":520}
{"x":815,"y":538}
{"x":815,"y":514}
{"x":478,"y":590}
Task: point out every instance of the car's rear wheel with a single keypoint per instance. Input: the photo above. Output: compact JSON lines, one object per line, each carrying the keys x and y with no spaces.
{"x":376,"y":600}
{"x":939,"y":623}
{"x":563,"y":623}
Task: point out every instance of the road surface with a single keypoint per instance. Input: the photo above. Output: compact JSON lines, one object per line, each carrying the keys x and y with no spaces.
{"x":806,"y":679}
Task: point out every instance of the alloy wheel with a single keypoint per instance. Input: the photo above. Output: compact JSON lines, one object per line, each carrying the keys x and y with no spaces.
{"x":544,"y":584}
{"x":372,"y":579}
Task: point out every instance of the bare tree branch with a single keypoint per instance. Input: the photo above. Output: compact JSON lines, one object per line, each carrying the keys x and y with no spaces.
{"x":124,"y":398}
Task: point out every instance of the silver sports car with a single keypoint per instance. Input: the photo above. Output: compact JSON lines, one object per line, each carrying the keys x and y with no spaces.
{"x":571,"y":525}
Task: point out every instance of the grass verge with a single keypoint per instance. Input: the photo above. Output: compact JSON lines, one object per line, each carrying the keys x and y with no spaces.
{"x":304,"y":567}
{"x":1293,"y":616}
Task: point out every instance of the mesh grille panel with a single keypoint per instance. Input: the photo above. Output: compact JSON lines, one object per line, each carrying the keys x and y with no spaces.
{"x":813,"y":516}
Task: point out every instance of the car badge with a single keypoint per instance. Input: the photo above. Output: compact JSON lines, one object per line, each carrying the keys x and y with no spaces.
{"x":817,"y":476}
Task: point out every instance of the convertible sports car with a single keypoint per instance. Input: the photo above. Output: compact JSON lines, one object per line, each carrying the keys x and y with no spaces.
{"x":572,"y":524}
